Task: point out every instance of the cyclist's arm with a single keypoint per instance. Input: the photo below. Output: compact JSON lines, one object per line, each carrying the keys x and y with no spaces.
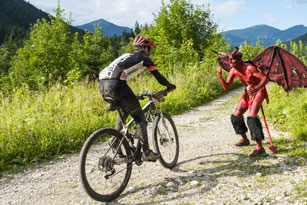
{"x":160,"y":78}
{"x":153,"y":70}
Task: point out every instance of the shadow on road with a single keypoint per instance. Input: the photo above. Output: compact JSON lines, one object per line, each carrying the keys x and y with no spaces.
{"x":210,"y":169}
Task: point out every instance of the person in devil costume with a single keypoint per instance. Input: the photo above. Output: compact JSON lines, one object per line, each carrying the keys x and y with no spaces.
{"x":255,"y":92}
{"x":272,"y":64}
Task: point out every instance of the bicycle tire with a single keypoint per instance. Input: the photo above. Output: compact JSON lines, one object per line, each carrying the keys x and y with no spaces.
{"x":163,"y":140}
{"x":91,"y":151}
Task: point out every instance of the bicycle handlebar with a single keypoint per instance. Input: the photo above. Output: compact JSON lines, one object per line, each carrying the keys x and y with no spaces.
{"x":157,"y":95}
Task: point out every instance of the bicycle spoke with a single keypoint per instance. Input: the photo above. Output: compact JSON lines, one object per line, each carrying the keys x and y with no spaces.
{"x":166,"y":140}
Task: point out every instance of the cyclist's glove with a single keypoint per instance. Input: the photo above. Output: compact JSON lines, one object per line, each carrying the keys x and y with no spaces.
{"x":171,"y":87}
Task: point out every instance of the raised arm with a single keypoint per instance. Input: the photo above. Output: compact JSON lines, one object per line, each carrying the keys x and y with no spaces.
{"x":226,"y":84}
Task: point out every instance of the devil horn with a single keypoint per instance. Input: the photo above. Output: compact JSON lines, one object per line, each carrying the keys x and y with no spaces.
{"x":220,"y":53}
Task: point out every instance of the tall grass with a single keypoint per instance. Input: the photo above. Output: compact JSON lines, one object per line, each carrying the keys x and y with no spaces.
{"x":289,"y":113}
{"x":39,"y":125}
{"x":35,"y":126}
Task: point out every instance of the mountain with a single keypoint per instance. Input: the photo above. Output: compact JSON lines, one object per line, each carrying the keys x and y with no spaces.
{"x":108,"y":29}
{"x":269,"y":35}
{"x":302,"y":38}
{"x":16,"y":16}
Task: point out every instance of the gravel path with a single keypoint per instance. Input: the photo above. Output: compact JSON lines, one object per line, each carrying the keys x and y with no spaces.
{"x":210,"y":170}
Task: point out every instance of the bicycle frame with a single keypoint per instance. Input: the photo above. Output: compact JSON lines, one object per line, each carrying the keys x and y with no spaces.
{"x":117,"y":158}
{"x":147,"y":109}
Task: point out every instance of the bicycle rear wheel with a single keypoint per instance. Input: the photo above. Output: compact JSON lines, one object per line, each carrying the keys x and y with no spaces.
{"x":165,"y":138}
{"x":103,"y":175}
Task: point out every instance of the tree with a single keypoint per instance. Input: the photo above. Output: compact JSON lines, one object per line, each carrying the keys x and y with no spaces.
{"x":97,"y":53}
{"x":250,"y":51}
{"x":137,"y":28}
{"x":181,"y":31}
{"x":47,"y":56}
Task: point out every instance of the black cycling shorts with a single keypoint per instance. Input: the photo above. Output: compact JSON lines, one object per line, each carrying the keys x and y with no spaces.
{"x":118,"y":92}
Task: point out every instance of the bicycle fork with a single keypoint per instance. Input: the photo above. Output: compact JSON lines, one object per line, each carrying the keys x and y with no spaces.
{"x":164,"y":138}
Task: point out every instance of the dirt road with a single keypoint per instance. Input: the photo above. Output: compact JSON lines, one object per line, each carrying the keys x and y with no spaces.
{"x":210,"y":170}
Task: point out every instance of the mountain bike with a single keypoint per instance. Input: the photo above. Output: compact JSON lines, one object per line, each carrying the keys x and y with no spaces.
{"x":105,"y":169}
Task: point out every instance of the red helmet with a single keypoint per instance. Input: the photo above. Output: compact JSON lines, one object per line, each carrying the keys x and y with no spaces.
{"x":143,"y":41}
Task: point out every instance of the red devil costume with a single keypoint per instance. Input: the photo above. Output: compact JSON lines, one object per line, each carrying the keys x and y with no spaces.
{"x":272,"y":64}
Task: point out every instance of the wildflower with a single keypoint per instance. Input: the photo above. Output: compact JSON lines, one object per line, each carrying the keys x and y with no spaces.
{"x":10,"y":140}
{"x":25,"y":159}
{"x":28,"y":133}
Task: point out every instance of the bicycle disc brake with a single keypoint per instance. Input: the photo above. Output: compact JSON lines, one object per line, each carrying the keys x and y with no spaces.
{"x":164,"y":141}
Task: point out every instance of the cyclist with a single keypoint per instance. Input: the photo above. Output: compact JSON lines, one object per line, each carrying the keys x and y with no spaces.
{"x":115,"y":90}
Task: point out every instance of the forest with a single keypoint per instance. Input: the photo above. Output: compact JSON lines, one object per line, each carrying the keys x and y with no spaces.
{"x":50,"y":101}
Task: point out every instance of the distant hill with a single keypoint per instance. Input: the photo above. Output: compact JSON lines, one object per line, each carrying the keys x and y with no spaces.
{"x":269,"y":35}
{"x":16,"y":16}
{"x":302,"y":38}
{"x":108,"y":29}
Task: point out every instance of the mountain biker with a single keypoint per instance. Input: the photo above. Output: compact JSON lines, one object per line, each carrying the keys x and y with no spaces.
{"x":115,"y":90}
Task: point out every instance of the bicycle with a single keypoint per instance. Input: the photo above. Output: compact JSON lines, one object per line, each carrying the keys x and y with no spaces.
{"x":104,"y":173}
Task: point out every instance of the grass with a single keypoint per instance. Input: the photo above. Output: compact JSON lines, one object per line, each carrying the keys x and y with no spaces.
{"x":288,"y":112}
{"x":42,"y":125}
{"x":301,"y":190}
{"x":38,"y":126}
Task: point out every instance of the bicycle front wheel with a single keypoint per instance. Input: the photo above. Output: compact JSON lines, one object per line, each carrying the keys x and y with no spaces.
{"x":165,"y":138}
{"x":104,"y":175}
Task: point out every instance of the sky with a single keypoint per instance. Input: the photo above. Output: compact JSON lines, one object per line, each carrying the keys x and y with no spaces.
{"x":227,"y":14}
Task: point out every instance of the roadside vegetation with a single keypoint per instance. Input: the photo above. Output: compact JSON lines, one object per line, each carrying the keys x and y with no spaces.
{"x":50,"y":101}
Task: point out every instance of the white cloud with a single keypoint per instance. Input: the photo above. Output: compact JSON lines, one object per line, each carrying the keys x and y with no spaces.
{"x":227,"y":9}
{"x":270,"y":18}
{"x":124,"y":13}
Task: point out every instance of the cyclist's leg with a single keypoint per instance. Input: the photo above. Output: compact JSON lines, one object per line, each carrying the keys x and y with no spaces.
{"x":109,"y":92}
{"x":122,"y":93}
{"x":119,"y":91}
{"x":113,"y":140}
{"x":124,"y":115}
{"x":131,"y":104}
{"x":141,"y":128}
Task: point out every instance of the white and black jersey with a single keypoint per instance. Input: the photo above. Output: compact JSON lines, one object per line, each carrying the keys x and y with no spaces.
{"x":127,"y":66}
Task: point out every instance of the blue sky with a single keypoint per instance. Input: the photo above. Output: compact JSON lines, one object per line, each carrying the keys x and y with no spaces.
{"x":228,"y":14}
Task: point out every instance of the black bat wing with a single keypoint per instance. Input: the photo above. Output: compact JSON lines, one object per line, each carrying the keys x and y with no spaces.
{"x":224,"y":63}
